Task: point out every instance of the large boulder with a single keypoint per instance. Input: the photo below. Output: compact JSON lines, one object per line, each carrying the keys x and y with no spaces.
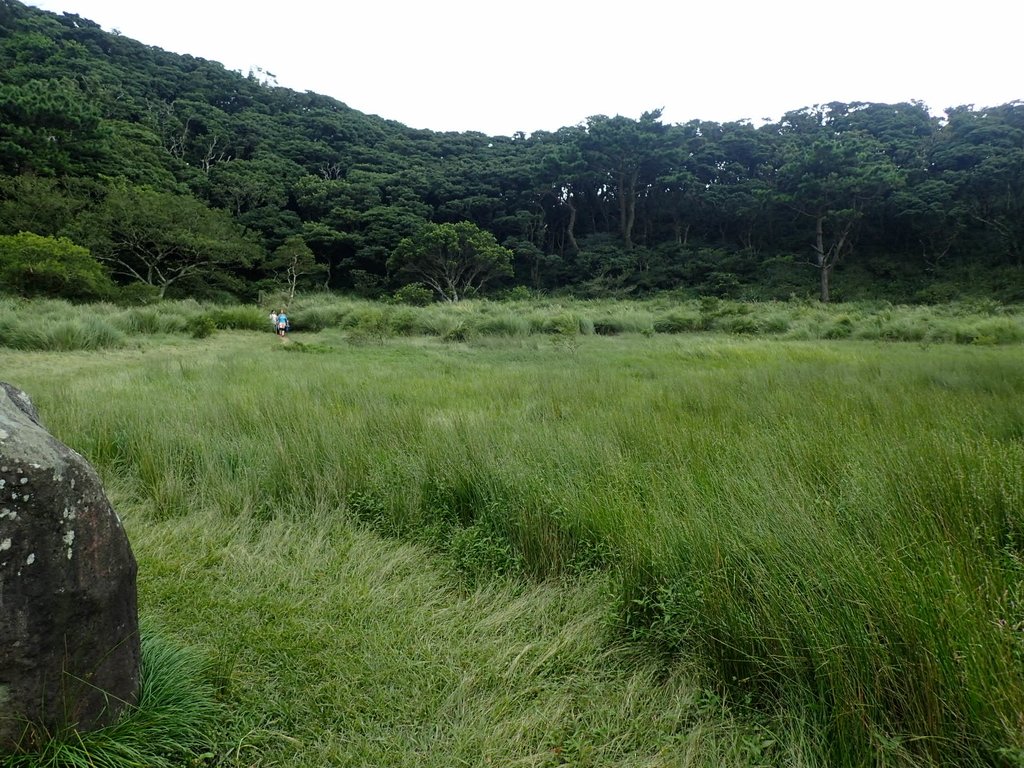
{"x":69,"y":632}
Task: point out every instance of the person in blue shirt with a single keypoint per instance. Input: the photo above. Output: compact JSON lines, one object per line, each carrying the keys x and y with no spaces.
{"x":282,"y":323}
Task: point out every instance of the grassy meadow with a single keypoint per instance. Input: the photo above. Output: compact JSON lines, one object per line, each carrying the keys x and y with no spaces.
{"x":547,"y":533}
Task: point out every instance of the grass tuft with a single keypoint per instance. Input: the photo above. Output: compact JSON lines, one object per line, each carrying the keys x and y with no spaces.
{"x":173,"y":722}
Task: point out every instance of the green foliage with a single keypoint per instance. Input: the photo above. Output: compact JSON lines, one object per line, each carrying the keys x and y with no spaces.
{"x":244,"y":318}
{"x":455,"y":260}
{"x":874,"y":200}
{"x":32,"y":265}
{"x":504,"y":323}
{"x":47,"y":127}
{"x":37,"y":204}
{"x":160,"y":238}
{"x":414,"y":294}
{"x":678,"y":322}
{"x":479,"y":553}
{"x":203,"y":327}
{"x":296,"y":267}
{"x":137,"y":294}
{"x":157,"y":319}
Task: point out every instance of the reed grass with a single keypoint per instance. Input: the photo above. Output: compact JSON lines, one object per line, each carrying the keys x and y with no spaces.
{"x":59,"y":325}
{"x":825,"y":540}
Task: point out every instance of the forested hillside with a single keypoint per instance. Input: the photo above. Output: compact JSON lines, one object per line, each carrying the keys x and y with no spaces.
{"x":128,"y":170}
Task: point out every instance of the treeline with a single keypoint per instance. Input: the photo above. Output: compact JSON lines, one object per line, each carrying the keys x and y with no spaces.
{"x":129,"y":169}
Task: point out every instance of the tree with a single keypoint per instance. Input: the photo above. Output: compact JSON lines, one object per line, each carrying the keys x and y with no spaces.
{"x":39,"y":204}
{"x":565,"y":168}
{"x":240,"y":186}
{"x":34,"y":265}
{"x":294,"y":263}
{"x":830,"y":177}
{"x":981,"y":154}
{"x":933,"y":217}
{"x":453,"y":259}
{"x":629,"y":154}
{"x":160,"y":238}
{"x":47,"y":127}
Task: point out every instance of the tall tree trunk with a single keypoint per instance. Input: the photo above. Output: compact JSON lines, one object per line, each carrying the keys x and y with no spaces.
{"x":627,"y":208}
{"x":828,"y":258}
{"x":824,"y":267}
{"x":570,"y":229}
{"x":681,"y":231}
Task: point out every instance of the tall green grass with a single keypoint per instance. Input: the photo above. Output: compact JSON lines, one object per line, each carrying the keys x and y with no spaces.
{"x":175,"y":719}
{"x":827,"y":536}
{"x":61,"y":326}
{"x":346,"y":650}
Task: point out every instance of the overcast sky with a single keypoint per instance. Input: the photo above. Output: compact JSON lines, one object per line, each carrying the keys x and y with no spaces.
{"x":461,"y":65}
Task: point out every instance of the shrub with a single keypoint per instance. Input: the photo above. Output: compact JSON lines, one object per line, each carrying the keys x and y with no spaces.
{"x":137,"y":294}
{"x":32,"y":265}
{"x":414,"y":294}
{"x":404,"y":321}
{"x":203,"y":327}
{"x":518,"y":293}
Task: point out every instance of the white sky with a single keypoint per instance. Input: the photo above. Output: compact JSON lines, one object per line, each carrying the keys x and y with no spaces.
{"x":461,"y":65}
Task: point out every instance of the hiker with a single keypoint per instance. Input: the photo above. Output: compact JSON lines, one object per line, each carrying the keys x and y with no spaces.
{"x":282,"y":323}
{"x":273,"y":319}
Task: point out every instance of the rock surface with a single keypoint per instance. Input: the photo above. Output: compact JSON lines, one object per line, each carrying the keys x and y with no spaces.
{"x":69,"y":639}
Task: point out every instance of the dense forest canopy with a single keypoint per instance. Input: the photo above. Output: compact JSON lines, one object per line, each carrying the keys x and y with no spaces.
{"x":182,"y":178}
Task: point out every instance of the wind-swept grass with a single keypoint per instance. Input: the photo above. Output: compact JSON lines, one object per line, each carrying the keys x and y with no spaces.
{"x":347,"y":650}
{"x":827,"y":536}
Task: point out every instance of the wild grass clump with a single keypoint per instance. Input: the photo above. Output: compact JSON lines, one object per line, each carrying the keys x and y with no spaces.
{"x":1003,"y":330}
{"x":174,"y":721}
{"x":502,"y":324}
{"x":239,"y":318}
{"x":559,"y":324}
{"x":346,"y":649}
{"x":321,"y":311}
{"x":318,"y":317}
{"x":56,"y":325}
{"x":679,"y":322}
{"x":740,"y":324}
{"x":154,"y":319}
{"x":831,"y":574}
{"x":440,"y":324}
{"x":83,"y":333}
{"x":405,"y":321}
